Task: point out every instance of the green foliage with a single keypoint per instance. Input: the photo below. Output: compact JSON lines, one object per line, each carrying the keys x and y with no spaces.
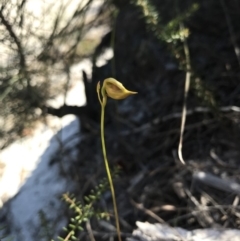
{"x":150,"y":14}
{"x":169,"y":32}
{"x":84,"y":212}
{"x":172,"y":34}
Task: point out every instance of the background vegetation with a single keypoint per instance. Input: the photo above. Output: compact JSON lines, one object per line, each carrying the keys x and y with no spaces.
{"x":159,"y":46}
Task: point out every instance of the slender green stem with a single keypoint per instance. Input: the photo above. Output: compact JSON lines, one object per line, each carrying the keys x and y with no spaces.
{"x":108,"y":169}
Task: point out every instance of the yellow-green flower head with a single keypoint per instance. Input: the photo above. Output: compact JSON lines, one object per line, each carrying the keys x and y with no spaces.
{"x":115,"y":89}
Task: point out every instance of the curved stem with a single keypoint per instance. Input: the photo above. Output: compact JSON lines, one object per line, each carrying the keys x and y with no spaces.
{"x":98,"y":93}
{"x":108,"y":169}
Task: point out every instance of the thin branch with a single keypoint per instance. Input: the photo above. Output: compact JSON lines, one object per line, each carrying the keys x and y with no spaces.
{"x":140,"y":206}
{"x":90,"y":232}
{"x":15,"y":39}
{"x":216,"y":182}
